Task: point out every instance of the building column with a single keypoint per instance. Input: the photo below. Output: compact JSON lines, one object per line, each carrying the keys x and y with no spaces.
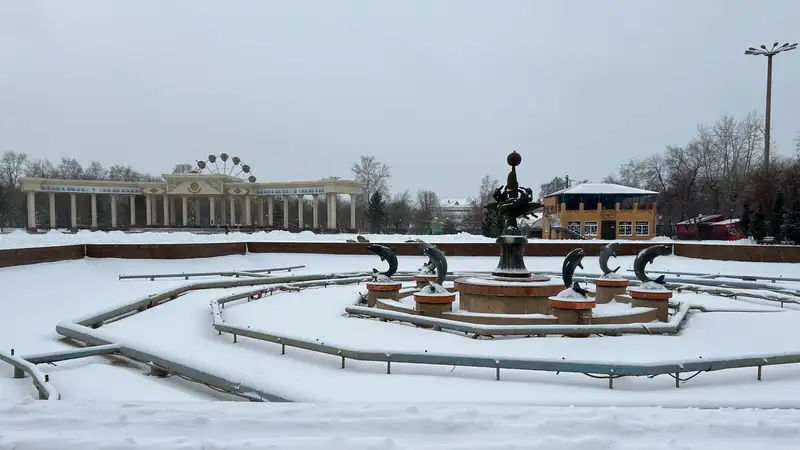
{"x":166,"y":210}
{"x":94,"y":209}
{"x":261,"y":211}
{"x":211,"y":213}
{"x":73,"y":211}
{"x":352,"y":211}
{"x":113,"y":211}
{"x":52,"y":197}
{"x":270,"y":211}
{"x":185,"y":210}
{"x":331,"y":203}
{"x":248,"y":221}
{"x":172,"y":212}
{"x":300,"y":208}
{"x":133,"y":210}
{"x":148,"y":205}
{"x":197,"y":211}
{"x":315,"y":210}
{"x":285,"y":212}
{"x":233,"y":210}
{"x":31,"y":210}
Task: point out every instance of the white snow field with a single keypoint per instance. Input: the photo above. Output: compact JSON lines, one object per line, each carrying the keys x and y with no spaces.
{"x":22,"y":239}
{"x":111,"y":402}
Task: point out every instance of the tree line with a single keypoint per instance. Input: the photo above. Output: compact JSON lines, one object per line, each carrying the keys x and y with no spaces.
{"x":720,"y":170}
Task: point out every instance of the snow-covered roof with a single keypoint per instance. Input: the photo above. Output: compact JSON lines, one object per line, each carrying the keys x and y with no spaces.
{"x":725,"y":222}
{"x":601,"y":189}
{"x":702,"y":219}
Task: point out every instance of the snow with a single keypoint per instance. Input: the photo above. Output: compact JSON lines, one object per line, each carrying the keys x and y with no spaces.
{"x":614,"y":308}
{"x":649,"y":286}
{"x":173,"y":426}
{"x":21,"y":239}
{"x":612,"y":276}
{"x":100,"y":407}
{"x":506,"y":282}
{"x":571,"y":295}
{"x":601,"y":189}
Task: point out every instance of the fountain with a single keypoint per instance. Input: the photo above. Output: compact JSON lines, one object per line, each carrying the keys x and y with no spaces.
{"x":651,"y":293}
{"x":611,"y":283}
{"x":572,"y":306}
{"x":382,"y":286}
{"x":434,"y":299}
{"x":512,"y":288}
{"x":427,"y":273}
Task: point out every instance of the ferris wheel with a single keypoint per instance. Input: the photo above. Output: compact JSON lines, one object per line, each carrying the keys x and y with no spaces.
{"x":236,"y":169}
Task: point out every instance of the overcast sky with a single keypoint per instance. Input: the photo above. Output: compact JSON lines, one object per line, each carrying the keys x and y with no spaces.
{"x":440,"y":90}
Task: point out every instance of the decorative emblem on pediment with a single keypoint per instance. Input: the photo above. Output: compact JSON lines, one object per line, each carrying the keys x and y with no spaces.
{"x":172,"y":185}
{"x":194,"y":187}
{"x":215,"y":185}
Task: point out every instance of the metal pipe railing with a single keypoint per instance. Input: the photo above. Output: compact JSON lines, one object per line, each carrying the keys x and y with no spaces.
{"x":40,"y":380}
{"x":722,"y":275}
{"x":228,"y":273}
{"x":207,"y":376}
{"x":608,"y":370}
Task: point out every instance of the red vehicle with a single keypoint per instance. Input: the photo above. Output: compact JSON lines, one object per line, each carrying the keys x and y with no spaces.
{"x":711,"y":227}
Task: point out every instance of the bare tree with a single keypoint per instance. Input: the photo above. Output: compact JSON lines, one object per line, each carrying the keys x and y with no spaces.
{"x":95,"y":171}
{"x":183,"y":168}
{"x":427,"y":205}
{"x":400,"y":211}
{"x":12,"y":165}
{"x":374,"y":175}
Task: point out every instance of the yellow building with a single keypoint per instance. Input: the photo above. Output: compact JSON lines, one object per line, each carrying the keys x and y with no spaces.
{"x":600,"y":211}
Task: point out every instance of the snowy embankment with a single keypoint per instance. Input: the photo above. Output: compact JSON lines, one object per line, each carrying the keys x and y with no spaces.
{"x":21,"y":239}
{"x":166,"y":426}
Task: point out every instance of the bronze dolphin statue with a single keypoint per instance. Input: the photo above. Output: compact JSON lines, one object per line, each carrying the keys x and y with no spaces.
{"x":606,"y":252}
{"x":439,"y":261}
{"x":571,"y":262}
{"x":646,"y":257}
{"x":387,"y":254}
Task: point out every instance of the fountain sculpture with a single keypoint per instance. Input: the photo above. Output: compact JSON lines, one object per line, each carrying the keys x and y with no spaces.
{"x":434,"y":299}
{"x":382,"y":286}
{"x":611,"y":283}
{"x":651,"y":293}
{"x":572,"y":305}
{"x":512,"y":288}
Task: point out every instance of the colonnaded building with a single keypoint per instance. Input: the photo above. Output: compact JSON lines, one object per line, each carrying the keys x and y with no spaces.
{"x":231,"y":192}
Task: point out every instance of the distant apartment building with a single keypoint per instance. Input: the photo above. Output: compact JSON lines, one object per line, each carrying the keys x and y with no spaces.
{"x":600,"y":211}
{"x":458,"y":209}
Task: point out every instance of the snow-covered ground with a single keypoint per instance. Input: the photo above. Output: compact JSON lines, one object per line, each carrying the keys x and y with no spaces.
{"x":22,"y":239}
{"x":170,"y":425}
{"x":102,"y":393}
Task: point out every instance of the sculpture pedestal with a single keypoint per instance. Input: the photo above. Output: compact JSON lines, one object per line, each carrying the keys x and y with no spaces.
{"x":433,"y":304}
{"x":570,"y":311}
{"x":423,"y":280}
{"x":512,"y":262}
{"x":649,"y":296}
{"x":607,"y":288}
{"x":506,"y":295}
{"x":388,"y":290}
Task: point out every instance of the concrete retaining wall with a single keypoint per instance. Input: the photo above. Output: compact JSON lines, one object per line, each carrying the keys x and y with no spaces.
{"x":24,"y":256}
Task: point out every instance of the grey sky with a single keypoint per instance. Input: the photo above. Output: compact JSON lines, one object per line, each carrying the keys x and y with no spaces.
{"x":439,"y":90}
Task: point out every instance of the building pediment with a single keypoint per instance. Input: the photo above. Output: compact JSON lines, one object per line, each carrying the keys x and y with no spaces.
{"x":194,"y":187}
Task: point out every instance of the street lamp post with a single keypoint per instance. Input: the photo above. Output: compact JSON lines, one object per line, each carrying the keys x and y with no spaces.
{"x":769,"y":53}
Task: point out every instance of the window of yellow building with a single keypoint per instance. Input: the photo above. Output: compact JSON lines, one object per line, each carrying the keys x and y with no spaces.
{"x":625,"y":229}
{"x":590,"y":228}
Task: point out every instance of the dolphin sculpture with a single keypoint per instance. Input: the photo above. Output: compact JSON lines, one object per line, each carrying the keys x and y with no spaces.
{"x":439,"y":261}
{"x":606,"y":252}
{"x":387,"y":254}
{"x":572,"y":261}
{"x":428,"y":266}
{"x":646,"y":257}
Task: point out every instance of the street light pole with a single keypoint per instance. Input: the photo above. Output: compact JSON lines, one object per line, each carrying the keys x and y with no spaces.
{"x":769,"y":53}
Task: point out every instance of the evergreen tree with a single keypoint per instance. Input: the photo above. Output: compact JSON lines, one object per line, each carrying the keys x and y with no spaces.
{"x":776,"y":221}
{"x":449,"y":226}
{"x":376,"y":212}
{"x":744,"y":220}
{"x":758,"y":227}
{"x":791,"y":223}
